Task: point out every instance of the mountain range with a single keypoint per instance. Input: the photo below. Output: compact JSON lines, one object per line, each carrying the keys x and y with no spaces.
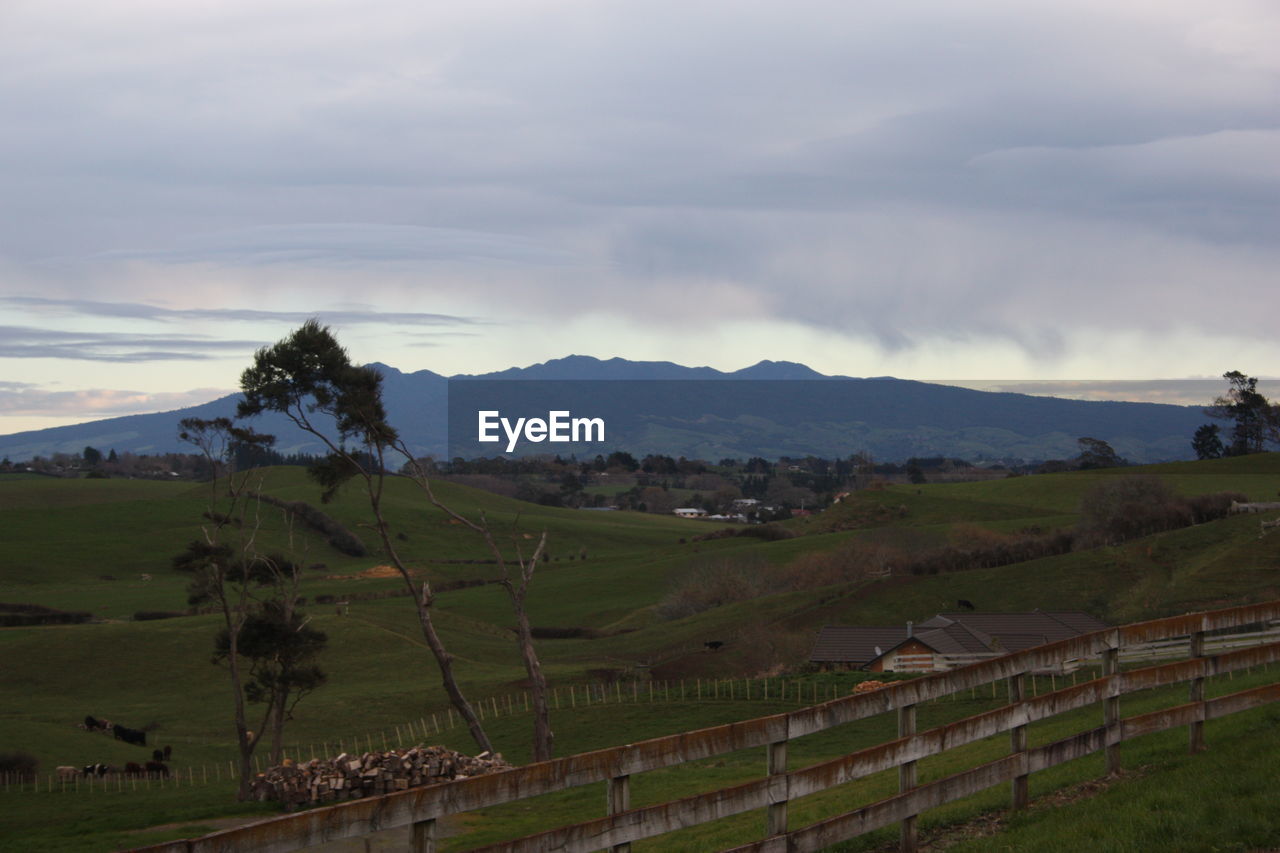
{"x":770,"y":409}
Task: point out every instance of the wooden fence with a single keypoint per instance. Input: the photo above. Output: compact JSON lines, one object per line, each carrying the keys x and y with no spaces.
{"x":420,"y":808}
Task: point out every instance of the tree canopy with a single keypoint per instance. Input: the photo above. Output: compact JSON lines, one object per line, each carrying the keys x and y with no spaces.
{"x":1255,"y":421}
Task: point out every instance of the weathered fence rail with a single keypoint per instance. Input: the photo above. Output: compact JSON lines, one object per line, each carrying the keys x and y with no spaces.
{"x":420,"y":808}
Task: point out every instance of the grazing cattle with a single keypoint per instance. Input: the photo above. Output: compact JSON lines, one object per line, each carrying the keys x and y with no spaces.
{"x":157,"y":755}
{"x":133,"y":768}
{"x":67,"y":774}
{"x":129,"y":735}
{"x":98,"y":769}
{"x":168,"y":751}
{"x":713,"y":645}
{"x":965,"y":604}
{"x":91,"y":723}
{"x":157,"y":770}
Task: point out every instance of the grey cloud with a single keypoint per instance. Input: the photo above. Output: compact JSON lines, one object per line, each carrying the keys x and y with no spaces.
{"x":350,"y":243}
{"x":28,"y":342}
{"x":140,"y":311}
{"x":904,"y":171}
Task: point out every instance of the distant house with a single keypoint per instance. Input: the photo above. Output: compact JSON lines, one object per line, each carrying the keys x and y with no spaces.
{"x":690,"y":512}
{"x":946,"y":641}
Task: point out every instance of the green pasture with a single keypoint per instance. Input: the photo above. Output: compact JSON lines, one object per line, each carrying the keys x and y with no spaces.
{"x":86,"y":545}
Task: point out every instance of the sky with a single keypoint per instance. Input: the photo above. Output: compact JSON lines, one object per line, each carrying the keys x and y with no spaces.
{"x":1002,"y":192}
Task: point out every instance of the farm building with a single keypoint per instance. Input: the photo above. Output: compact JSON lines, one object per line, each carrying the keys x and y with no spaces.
{"x":946,"y":641}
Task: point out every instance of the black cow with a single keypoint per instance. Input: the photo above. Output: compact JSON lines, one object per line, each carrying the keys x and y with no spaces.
{"x":98,"y":769}
{"x":133,"y":768}
{"x":714,"y":645}
{"x":965,"y":604}
{"x":157,"y":770}
{"x":129,"y":735}
{"x":91,"y":723}
{"x":168,"y":751}
{"x":157,"y":755}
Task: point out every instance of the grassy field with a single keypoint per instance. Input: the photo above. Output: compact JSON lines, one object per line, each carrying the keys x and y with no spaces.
{"x":87,"y":545}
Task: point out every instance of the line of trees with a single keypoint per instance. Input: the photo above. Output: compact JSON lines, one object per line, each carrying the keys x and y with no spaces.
{"x":1253,"y":421}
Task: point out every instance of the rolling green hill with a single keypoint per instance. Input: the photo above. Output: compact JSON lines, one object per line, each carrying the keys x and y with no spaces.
{"x":87,"y":545}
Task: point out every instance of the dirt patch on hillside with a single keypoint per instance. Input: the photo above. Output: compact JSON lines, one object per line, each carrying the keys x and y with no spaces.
{"x":380,"y":572}
{"x":376,"y":572}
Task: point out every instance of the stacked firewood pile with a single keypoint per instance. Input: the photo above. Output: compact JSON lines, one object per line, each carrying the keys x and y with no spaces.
{"x":347,"y":777}
{"x":867,"y":686}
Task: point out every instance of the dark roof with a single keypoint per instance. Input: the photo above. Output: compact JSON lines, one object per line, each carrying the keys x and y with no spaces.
{"x":965,"y":638}
{"x":1080,"y":621}
{"x":849,"y":644}
{"x":954,"y":634}
{"x":1058,"y":625}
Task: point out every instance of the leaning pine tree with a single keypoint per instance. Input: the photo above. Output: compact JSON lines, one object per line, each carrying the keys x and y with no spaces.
{"x":310,"y":379}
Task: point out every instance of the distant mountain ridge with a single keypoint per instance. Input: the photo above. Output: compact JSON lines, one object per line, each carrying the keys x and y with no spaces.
{"x":771,"y":409}
{"x":589,"y":367}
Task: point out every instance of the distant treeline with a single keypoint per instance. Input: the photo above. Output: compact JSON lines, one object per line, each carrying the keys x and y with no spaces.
{"x":15,"y":615}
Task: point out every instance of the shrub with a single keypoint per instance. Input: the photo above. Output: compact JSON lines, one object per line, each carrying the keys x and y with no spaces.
{"x":564,"y":633}
{"x":767,"y":532}
{"x":16,"y":615}
{"x":1121,"y":508}
{"x":23,"y":765}
{"x":340,"y":538}
{"x":1214,"y":506}
{"x":712,"y":584}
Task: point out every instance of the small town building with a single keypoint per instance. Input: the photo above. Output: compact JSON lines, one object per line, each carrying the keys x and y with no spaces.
{"x":946,"y":641}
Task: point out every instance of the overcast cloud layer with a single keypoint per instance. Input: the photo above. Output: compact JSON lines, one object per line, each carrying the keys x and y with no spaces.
{"x":989,"y":190}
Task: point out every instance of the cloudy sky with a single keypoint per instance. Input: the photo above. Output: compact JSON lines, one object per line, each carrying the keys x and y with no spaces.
{"x":990,"y":190}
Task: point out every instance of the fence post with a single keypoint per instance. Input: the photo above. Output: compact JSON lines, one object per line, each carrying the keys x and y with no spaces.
{"x":424,"y":836}
{"x":1195,"y":731}
{"x":1018,"y":737}
{"x":776,"y":764}
{"x":618,"y":794}
{"x":1111,"y":709}
{"x":907,"y":777}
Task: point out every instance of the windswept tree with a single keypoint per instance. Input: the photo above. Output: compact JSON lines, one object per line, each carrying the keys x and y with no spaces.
{"x":309,"y":378}
{"x":1255,"y":421}
{"x":1096,"y":453}
{"x":264,"y":643}
{"x":1206,"y":442}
